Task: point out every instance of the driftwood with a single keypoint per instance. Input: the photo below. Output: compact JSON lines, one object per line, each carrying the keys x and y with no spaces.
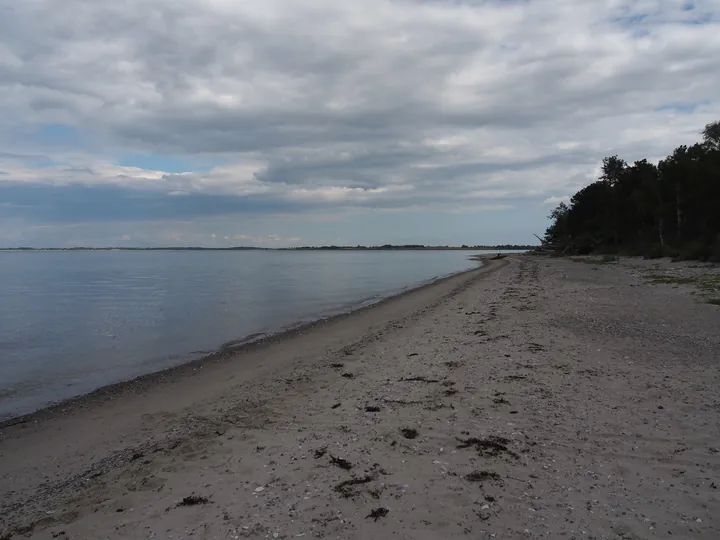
{"x":569,"y":248}
{"x":545,"y":248}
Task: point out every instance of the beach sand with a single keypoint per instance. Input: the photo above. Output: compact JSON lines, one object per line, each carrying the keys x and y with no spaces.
{"x":533,"y":398}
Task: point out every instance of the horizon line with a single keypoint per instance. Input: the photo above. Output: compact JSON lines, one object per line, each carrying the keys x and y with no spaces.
{"x":296,"y":248}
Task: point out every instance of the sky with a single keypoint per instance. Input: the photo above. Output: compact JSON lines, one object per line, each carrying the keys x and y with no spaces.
{"x":278,"y":123}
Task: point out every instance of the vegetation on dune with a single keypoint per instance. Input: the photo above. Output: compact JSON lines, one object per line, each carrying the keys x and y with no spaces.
{"x":669,"y":209}
{"x":705,"y":285}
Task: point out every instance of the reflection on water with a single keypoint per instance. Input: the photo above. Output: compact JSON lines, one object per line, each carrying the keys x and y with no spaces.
{"x":73,"y":321}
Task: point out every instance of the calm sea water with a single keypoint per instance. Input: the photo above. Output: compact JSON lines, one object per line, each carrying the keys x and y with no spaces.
{"x":71,"y":322}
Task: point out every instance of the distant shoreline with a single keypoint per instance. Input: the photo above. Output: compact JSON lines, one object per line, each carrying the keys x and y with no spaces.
{"x":237,"y":347}
{"x":303,"y":248}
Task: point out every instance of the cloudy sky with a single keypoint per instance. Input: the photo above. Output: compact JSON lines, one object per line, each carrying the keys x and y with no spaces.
{"x":285,"y":122}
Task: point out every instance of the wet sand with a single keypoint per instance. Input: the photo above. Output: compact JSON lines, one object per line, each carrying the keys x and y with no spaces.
{"x":532,"y":398}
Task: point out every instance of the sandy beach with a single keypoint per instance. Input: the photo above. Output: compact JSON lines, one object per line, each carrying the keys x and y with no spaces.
{"x":532,"y":398}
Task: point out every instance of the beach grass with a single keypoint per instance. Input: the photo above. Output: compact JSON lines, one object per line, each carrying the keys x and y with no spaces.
{"x":707,"y":285}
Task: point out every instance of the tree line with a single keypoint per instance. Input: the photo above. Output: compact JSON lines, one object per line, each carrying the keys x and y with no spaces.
{"x":669,"y":209}
{"x":502,"y":247}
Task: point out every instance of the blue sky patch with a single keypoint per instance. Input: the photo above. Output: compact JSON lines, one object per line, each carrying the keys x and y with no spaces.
{"x":680,"y":107}
{"x":157,"y":162}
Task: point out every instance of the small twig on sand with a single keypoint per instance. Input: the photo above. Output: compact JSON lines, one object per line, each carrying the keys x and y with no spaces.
{"x":378,"y":513}
{"x":403,"y":401}
{"x":345,"y":488}
{"x":421,"y":378}
{"x":340,"y":462}
{"x":482,"y":476}
{"x":493,"y":446}
{"x":193,"y":500}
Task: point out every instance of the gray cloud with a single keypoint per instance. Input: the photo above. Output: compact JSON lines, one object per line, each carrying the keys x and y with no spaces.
{"x":383,"y":103}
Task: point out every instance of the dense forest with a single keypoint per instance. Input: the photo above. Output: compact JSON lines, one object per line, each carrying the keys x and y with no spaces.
{"x":502,"y":247}
{"x":669,"y":209}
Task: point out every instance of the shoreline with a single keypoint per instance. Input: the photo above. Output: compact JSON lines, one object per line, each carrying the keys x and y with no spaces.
{"x":540,"y":398}
{"x":489,"y":249}
{"x":223,"y":352}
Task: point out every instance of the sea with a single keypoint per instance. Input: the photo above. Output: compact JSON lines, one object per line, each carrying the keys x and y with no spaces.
{"x":74,"y":321}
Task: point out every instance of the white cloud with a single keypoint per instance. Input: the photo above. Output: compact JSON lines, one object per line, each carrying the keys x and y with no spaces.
{"x":556,"y":200}
{"x":381,"y":103}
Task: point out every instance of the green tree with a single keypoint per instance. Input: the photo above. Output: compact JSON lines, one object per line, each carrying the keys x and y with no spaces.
{"x":673,"y":206}
{"x":711,"y":135}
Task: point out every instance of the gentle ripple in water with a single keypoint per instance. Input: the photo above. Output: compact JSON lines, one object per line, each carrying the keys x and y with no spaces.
{"x":71,"y":322}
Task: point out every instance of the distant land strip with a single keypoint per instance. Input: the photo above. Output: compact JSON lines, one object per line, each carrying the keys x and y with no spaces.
{"x":387,"y":247}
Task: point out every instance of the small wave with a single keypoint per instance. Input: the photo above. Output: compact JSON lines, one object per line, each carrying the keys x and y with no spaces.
{"x":8,"y":392}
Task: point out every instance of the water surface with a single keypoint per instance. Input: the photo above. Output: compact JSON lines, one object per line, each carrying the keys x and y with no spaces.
{"x":71,"y":322}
